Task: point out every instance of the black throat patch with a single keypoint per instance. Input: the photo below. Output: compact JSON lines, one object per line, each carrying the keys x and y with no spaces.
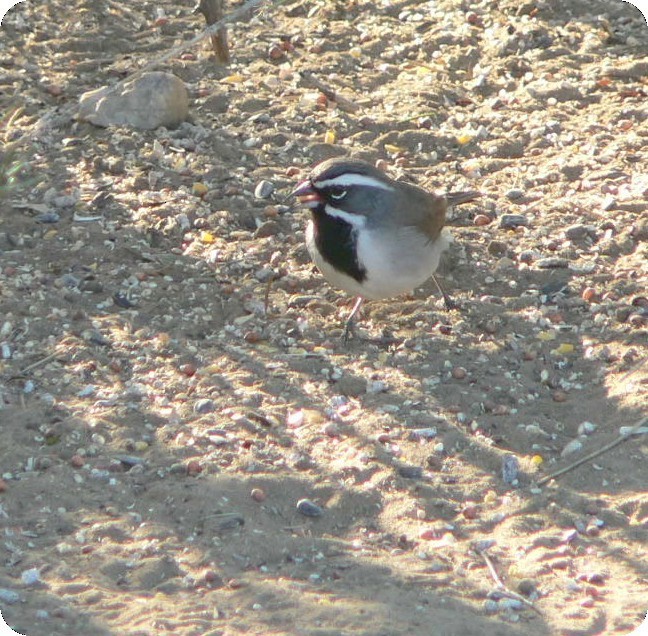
{"x":336,"y":241}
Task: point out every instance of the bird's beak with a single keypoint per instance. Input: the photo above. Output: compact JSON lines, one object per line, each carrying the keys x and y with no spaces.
{"x":306,"y":194}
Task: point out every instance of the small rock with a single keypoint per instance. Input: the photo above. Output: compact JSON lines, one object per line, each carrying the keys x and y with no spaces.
{"x":511,"y":221}
{"x":528,"y":256}
{"x":507,"y":604}
{"x":578,"y":232}
{"x":514,"y":193}
{"x":204,"y":405}
{"x":149,"y":101}
{"x":48,"y":217}
{"x":9,"y":596}
{"x":504,"y":263}
{"x":482,"y":219}
{"x":423,"y":433}
{"x":510,"y":469}
{"x":458,"y":373}
{"x":264,"y":274}
{"x":551,"y":262}
{"x":351,"y":385}
{"x":559,"y":396}
{"x":264,"y":189}
{"x":267,"y":228}
{"x":194,"y":468}
{"x":410,"y":472}
{"x":258,"y":495}
{"x":231,"y":522}
{"x":497,"y":248}
{"x":309,"y":509}
{"x":31,"y":576}
{"x":572,"y":447}
{"x":527,"y":587}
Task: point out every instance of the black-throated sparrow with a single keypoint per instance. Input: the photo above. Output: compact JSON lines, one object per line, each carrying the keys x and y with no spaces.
{"x":370,"y":235}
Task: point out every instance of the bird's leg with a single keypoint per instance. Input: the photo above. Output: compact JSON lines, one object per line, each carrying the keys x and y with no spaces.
{"x":349,"y":326}
{"x":447,"y":300}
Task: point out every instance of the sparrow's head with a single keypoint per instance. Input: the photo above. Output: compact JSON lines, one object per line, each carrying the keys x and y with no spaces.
{"x":345,"y":185}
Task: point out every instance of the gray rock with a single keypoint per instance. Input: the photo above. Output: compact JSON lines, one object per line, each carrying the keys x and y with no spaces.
{"x":578,"y":231}
{"x":149,"y":101}
{"x":9,"y":596}
{"x":551,"y":262}
{"x":510,"y":469}
{"x":513,"y":220}
{"x":308,"y":508}
{"x":204,"y":405}
{"x":264,"y":189}
{"x":514,"y":193}
{"x":497,"y":248}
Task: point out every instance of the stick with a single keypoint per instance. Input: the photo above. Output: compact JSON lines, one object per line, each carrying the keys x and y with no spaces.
{"x":342,"y":102}
{"x":600,"y":451}
{"x":213,"y":29}
{"x":502,"y":588}
{"x":38,"y":363}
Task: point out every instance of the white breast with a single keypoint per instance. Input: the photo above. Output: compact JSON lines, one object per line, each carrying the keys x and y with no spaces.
{"x":395,"y":262}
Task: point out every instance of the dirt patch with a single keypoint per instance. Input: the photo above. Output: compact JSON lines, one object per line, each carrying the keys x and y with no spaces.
{"x":172,"y":378}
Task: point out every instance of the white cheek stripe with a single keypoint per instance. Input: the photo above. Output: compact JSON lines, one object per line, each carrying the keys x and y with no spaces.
{"x":352,"y":179}
{"x":355,"y":220}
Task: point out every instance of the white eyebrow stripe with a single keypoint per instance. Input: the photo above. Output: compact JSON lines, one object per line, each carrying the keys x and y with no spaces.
{"x":357,"y":221}
{"x":351,"y":179}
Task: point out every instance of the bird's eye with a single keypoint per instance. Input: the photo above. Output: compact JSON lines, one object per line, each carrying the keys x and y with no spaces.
{"x":337,"y":193}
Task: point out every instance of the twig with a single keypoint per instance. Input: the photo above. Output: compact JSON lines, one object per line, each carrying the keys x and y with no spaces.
{"x":600,"y":451}
{"x":501,"y":588}
{"x":342,"y":102}
{"x":38,"y":363}
{"x":213,"y":29}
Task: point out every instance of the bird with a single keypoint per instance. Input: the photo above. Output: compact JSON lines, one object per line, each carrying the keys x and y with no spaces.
{"x":371,"y":235}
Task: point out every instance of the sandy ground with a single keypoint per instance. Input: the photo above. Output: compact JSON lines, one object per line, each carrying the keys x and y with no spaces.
{"x":172,"y":379}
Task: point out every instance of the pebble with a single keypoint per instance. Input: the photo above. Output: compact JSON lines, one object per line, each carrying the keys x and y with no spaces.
{"x":410,"y":472}
{"x":514,"y":193}
{"x":48,"y":217}
{"x":497,"y":248}
{"x":528,"y":256}
{"x":309,"y":509}
{"x":264,"y":189}
{"x":258,"y":495}
{"x":87,"y":391}
{"x":510,"y":469}
{"x":527,"y":587}
{"x":459,"y":373}
{"x":507,"y":604}
{"x":551,"y":262}
{"x":586,"y":428}
{"x":578,"y":231}
{"x":559,"y":396}
{"x":511,"y":221}
{"x":423,"y":433}
{"x":482,"y":219}
{"x":204,"y":405}
{"x":9,"y":596}
{"x":194,"y":468}
{"x":31,"y":576}
{"x":266,"y":229}
{"x":571,"y":447}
